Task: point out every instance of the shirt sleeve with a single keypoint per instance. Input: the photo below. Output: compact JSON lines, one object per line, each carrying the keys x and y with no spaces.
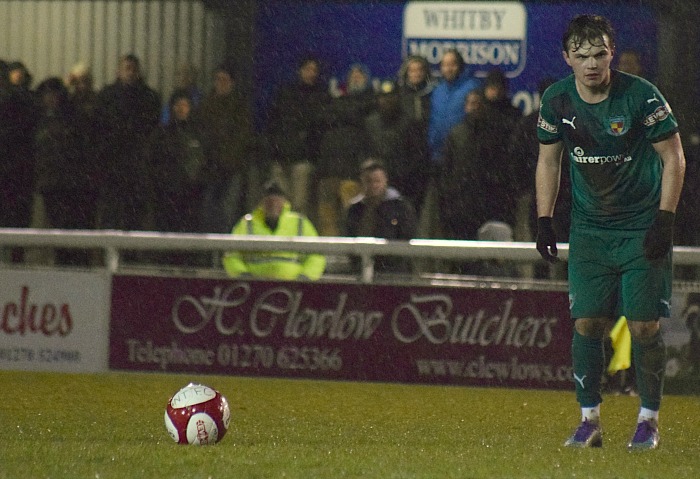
{"x":658,"y":119}
{"x":547,"y":121}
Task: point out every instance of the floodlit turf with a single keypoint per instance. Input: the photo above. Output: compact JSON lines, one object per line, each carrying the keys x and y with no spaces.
{"x":111,"y":426}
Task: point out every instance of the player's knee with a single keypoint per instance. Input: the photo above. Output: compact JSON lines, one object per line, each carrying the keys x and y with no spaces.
{"x":591,"y":327}
{"x":643,"y":330}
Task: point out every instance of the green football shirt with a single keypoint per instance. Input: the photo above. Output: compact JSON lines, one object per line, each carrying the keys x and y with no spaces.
{"x":615,"y":171}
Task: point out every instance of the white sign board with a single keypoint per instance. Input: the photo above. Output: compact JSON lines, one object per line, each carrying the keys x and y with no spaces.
{"x":487,"y":34}
{"x":54,"y":320}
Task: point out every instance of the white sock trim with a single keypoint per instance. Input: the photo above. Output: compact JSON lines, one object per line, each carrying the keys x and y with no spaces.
{"x":647,"y":414}
{"x":590,"y":413}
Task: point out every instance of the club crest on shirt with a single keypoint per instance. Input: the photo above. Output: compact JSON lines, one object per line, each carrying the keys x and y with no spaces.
{"x":617,"y":126}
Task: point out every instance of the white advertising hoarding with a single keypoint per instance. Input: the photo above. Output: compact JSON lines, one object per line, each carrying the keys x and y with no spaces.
{"x":54,"y":320}
{"x":487,"y":34}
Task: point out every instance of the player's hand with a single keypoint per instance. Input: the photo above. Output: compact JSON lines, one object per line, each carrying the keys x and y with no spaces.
{"x":546,"y":239}
{"x":659,"y":238}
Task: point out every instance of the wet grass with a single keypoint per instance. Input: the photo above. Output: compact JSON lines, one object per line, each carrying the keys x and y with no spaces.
{"x":111,"y":426}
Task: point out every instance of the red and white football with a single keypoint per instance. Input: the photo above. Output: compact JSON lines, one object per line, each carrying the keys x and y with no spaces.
{"x":198,"y":415}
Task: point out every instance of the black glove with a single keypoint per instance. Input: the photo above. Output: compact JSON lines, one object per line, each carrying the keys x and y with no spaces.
{"x":546,"y":239}
{"x":659,"y":238}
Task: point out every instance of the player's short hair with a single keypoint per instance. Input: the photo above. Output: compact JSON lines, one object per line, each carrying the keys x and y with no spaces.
{"x":591,"y":28}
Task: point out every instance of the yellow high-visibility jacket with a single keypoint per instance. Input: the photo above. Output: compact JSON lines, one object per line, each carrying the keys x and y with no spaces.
{"x":285,"y":265}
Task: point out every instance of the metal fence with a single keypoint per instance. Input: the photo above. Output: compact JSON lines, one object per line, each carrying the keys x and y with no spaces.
{"x":114,"y":243}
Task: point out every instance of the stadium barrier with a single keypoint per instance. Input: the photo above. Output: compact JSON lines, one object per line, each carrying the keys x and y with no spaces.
{"x":113,"y":243}
{"x":432,"y":329}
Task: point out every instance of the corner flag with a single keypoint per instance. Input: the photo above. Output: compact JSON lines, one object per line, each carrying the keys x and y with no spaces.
{"x":622,"y":346}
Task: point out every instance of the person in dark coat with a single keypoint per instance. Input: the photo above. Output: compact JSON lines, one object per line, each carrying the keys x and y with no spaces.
{"x":63,"y":172}
{"x":127,"y":112}
{"x":478,"y":182}
{"x":176,"y":161}
{"x":381,"y":212}
{"x":416,"y":84}
{"x":397,"y":140}
{"x":294,"y":131}
{"x":497,"y":96}
{"x":344,"y":145}
{"x":225,"y":122}
{"x":18,"y":117}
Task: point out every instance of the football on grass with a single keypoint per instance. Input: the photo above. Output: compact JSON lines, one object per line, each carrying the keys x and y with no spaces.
{"x":197,"y":414}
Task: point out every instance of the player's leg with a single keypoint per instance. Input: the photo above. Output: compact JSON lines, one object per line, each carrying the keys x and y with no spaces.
{"x":646,"y":297}
{"x":594,"y":298}
{"x":588,"y":361}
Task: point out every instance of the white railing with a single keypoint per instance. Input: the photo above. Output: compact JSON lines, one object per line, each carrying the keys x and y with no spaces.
{"x":113,"y":242}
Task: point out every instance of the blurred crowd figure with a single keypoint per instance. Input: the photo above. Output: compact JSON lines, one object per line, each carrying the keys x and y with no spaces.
{"x":452,"y":150}
{"x":227,"y":138}
{"x":380,"y":211}
{"x":126,"y":114}
{"x":176,"y":160}
{"x":446,"y":112}
{"x":343,"y":145}
{"x":295,"y":125}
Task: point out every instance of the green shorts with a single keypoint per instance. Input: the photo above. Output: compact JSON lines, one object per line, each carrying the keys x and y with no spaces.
{"x":610,"y":277}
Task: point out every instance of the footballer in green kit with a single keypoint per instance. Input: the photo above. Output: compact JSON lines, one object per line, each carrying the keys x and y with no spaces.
{"x":627,"y":167}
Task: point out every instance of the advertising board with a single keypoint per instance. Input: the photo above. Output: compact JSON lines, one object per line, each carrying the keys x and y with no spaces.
{"x":431,"y":335}
{"x":54,"y":320}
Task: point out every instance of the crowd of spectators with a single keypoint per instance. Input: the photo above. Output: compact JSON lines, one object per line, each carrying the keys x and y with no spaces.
{"x":452,"y":147}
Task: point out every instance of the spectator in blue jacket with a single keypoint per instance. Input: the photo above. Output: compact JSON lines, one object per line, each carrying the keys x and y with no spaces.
{"x":446,"y":111}
{"x":447,"y":103}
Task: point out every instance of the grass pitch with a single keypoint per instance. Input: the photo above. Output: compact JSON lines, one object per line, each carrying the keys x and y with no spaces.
{"x":111,"y":426}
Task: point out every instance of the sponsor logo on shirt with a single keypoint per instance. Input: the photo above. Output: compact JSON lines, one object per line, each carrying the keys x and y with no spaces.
{"x":546,"y":126}
{"x":579,"y":156}
{"x":659,"y":115}
{"x":569,"y":122}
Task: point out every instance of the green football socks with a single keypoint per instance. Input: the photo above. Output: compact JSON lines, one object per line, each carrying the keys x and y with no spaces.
{"x":650,"y":368}
{"x":588,"y":361}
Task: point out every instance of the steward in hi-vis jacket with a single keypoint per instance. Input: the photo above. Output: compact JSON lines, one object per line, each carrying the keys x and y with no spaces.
{"x":274,"y":217}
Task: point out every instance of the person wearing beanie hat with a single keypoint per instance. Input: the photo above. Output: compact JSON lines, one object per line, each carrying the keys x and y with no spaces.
{"x":272,"y":188}
{"x":497,"y":96}
{"x":63,"y":175}
{"x":17,"y":169}
{"x":185,"y":80}
{"x":274,"y":217}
